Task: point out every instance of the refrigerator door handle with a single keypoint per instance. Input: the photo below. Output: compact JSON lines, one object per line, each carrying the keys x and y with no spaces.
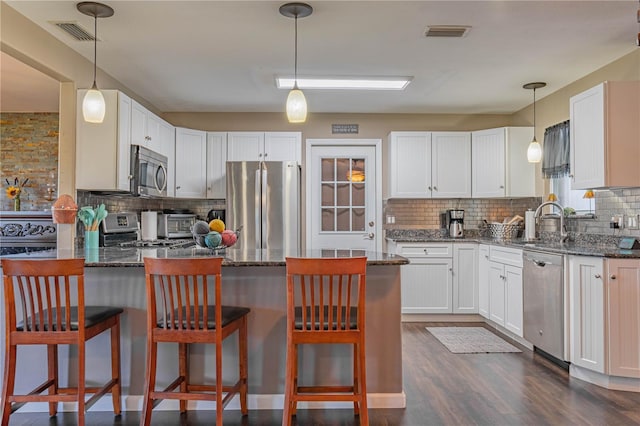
{"x":258,"y":212}
{"x":264,"y":208}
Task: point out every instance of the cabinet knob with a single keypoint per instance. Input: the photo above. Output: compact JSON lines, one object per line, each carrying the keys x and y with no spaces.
{"x":426,"y":251}
{"x":435,"y":188}
{"x":260,"y":155}
{"x":429,"y":188}
{"x":208,"y":188}
{"x":451,"y":270}
{"x":571,"y":176}
{"x":178,"y":187}
{"x":501,"y":186}
{"x":130,"y":177}
{"x":597,"y":276}
{"x":486,"y":256}
{"x":265,"y":154}
{"x":613,"y":277}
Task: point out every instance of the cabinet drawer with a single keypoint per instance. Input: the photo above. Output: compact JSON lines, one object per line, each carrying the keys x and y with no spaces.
{"x":507,"y":256}
{"x":425,"y":250}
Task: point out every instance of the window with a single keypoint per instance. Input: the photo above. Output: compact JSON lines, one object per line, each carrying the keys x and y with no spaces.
{"x":570,"y":198}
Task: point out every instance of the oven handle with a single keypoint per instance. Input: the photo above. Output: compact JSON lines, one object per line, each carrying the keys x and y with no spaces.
{"x":155,"y":178}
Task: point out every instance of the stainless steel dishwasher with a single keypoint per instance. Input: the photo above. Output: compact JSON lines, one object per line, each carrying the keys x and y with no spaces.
{"x":543,"y":301}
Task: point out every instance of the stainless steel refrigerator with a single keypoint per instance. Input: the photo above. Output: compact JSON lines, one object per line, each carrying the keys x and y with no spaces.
{"x":264,"y":199}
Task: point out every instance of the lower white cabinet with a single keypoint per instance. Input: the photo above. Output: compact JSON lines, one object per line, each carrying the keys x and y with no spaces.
{"x":465,"y":278}
{"x":191,"y":163}
{"x":440,"y":279}
{"x":504,"y":285}
{"x":586,"y":307}
{"x":483,"y":280}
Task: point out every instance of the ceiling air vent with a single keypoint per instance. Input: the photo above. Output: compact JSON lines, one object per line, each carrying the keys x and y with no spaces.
{"x":446,"y":31}
{"x":74,"y":30}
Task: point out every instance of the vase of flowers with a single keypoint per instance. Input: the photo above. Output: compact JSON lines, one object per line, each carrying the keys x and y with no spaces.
{"x":14,"y":191}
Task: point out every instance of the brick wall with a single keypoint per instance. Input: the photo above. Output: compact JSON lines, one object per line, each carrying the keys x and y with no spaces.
{"x":29,"y":149}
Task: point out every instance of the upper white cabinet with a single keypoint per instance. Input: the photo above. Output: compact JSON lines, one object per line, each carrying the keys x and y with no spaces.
{"x":429,"y":165}
{"x":103,"y":149}
{"x":604,"y":136}
{"x":264,"y":146}
{"x":191,"y":163}
{"x":499,"y":163}
{"x":451,"y":164}
{"x":167,"y":147}
{"x":216,"y":164}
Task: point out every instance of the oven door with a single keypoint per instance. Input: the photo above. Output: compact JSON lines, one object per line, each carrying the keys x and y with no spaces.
{"x":149,"y":171}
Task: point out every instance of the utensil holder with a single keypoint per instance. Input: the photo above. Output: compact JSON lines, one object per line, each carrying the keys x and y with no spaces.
{"x":91,"y":240}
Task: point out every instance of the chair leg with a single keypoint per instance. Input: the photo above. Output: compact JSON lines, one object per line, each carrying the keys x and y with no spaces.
{"x":52,"y":370}
{"x":8,"y":382}
{"x":356,"y":382}
{"x":296,"y":361}
{"x":244,"y":361}
{"x":150,"y":382}
{"x":289,"y":384}
{"x":115,"y":366}
{"x":81,"y":382}
{"x":218,"y":378}
{"x":364,"y":412}
{"x":183,"y":372}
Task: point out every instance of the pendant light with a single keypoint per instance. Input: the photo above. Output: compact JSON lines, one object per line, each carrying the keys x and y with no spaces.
{"x":534,"y":152}
{"x":296,"y":102}
{"x":93,"y":106}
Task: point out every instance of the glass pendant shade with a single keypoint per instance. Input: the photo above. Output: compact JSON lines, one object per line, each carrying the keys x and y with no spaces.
{"x":93,"y":106}
{"x":534,"y":152}
{"x":296,"y":106}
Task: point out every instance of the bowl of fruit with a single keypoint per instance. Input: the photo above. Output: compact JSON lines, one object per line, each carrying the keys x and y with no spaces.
{"x":213,"y":235}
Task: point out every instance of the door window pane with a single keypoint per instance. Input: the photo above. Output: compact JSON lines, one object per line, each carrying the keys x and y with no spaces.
{"x":328,"y":220}
{"x":357,"y":194}
{"x":343,"y":167}
{"x":344,"y":198}
{"x":343,"y":222}
{"x":357,"y":219}
{"x":328,"y":194}
{"x":328,"y":169}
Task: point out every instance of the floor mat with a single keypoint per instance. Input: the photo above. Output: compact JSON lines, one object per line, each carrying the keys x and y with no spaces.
{"x":466,"y":340}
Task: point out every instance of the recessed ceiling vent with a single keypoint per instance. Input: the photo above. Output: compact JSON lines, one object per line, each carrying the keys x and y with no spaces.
{"x":74,"y":30}
{"x":446,"y":31}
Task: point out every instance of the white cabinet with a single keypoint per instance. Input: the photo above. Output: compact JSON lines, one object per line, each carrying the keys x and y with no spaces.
{"x":586,"y":307}
{"x":505,"y":288}
{"x":264,"y":146}
{"x":483,"y":280}
{"x":465,"y":278}
{"x":499,"y":163}
{"x":623,"y":317}
{"x":103,"y":149}
{"x":451,"y":164}
{"x":167,"y":147}
{"x":604,"y":136}
{"x":429,"y":165}
{"x":145,"y":128}
{"x":216,"y":165}
{"x":191,"y":163}
{"x":427,"y":281}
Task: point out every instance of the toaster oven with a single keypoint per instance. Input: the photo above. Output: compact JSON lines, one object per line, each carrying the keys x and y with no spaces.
{"x":175,"y":225}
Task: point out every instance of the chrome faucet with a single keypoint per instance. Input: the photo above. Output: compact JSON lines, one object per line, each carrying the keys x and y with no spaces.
{"x":564,"y":235}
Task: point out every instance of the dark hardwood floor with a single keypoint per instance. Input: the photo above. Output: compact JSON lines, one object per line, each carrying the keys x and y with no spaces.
{"x":442,"y":389}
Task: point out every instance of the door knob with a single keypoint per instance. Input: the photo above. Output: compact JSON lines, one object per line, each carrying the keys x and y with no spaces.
{"x":369,"y":236}
{"x":371,"y":223}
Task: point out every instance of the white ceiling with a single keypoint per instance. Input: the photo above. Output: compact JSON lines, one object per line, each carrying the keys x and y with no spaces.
{"x":223,"y":55}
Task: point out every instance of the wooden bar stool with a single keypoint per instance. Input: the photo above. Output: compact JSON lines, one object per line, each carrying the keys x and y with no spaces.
{"x":326,"y":304}
{"x":50,"y":296}
{"x":180,"y":309}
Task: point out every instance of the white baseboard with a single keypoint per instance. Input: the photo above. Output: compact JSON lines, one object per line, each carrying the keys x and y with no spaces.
{"x":441,"y":318}
{"x":255,"y":402}
{"x":605,"y":381}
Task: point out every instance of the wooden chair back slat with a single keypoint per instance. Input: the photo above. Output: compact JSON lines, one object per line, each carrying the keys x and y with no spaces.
{"x":45,"y":292}
{"x":182,"y":285}
{"x":326,"y":290}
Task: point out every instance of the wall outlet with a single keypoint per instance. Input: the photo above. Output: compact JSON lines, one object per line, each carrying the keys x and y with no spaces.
{"x":632,"y":221}
{"x":391,"y":220}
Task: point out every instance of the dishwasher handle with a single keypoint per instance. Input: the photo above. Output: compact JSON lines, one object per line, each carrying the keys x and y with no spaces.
{"x":541,"y":263}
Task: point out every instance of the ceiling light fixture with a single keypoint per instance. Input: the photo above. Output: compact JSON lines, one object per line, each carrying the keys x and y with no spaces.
{"x":345,"y":83}
{"x":296,"y":102}
{"x":534,"y":152}
{"x":93,"y":106}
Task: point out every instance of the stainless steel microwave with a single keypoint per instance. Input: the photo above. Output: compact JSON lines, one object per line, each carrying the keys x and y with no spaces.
{"x":148,"y":172}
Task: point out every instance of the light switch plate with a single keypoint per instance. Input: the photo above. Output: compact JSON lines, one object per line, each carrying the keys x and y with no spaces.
{"x":632,"y":221}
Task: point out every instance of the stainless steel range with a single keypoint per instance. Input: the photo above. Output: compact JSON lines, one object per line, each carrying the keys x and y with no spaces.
{"x":27,"y":234}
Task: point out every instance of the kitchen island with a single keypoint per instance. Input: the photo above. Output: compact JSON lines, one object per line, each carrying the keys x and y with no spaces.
{"x":256,"y":279}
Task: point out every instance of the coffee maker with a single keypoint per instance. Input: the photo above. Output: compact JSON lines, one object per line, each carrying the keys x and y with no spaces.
{"x":455,"y":223}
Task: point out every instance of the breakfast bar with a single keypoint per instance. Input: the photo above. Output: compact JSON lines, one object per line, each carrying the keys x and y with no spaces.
{"x":255,"y":279}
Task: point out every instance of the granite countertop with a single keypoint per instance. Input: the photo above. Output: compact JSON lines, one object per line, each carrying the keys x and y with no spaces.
{"x":133,"y":257}
{"x":572,"y":248}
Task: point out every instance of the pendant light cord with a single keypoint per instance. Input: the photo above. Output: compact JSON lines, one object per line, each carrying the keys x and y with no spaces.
{"x":95,"y":49}
{"x":534,"y":110}
{"x":295,"y":55}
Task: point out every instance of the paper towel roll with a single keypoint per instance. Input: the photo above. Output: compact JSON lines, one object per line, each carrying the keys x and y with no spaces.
{"x":529,"y":225}
{"x":149,"y":226}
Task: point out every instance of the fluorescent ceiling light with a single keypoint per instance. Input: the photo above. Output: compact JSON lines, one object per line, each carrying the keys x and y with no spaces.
{"x":348,"y":83}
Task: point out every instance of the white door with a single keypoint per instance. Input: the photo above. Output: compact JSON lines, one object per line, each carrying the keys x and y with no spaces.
{"x":343,"y":192}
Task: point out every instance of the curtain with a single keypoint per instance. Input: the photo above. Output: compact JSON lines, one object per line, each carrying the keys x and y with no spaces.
{"x":555,"y":152}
